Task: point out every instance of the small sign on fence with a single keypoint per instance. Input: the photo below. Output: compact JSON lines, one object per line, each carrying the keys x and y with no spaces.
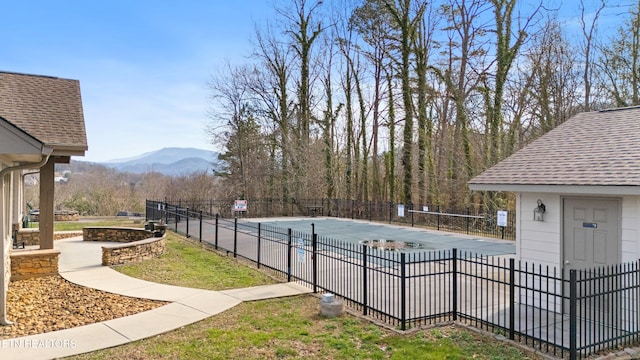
{"x":240,"y":205}
{"x":300,"y":250}
{"x":400,"y":210}
{"x":502,"y":218}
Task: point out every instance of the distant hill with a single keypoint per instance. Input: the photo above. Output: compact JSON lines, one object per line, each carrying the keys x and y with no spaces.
{"x":168,"y":161}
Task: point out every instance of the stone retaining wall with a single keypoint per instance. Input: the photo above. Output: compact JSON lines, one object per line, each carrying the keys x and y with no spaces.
{"x":34,"y":263}
{"x":32,"y":236}
{"x":115,"y":234}
{"x":58,"y":216}
{"x":119,"y":254}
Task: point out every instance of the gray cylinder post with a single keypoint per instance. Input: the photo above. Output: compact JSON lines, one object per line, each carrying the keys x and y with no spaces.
{"x":330,"y":307}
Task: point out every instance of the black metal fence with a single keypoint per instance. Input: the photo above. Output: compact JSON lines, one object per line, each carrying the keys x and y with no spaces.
{"x":471,"y":221}
{"x":570,"y":316}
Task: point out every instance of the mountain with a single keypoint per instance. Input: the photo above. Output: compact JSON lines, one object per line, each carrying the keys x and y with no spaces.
{"x":168,"y":161}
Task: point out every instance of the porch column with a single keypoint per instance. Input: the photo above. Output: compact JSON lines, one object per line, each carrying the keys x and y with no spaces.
{"x":5,"y":246}
{"x":47,"y":179}
{"x":18,"y":199}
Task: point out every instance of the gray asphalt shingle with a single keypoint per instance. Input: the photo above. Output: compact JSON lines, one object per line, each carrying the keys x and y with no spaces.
{"x":591,"y":148}
{"x":47,"y":108}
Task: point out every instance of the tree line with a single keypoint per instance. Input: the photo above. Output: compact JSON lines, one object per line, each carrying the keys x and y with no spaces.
{"x":407,"y":100}
{"x":96,"y":190}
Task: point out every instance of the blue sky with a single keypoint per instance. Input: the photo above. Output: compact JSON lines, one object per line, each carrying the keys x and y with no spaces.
{"x":143,"y":65}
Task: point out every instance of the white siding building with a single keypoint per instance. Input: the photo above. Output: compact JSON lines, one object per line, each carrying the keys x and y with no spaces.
{"x":586,"y":172}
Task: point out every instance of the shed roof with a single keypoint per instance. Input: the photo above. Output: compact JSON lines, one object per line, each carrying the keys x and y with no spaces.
{"x":47,"y":108}
{"x":599,"y":148}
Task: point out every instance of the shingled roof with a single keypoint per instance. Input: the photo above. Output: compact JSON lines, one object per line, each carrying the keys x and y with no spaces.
{"x":47,"y":108}
{"x":600,"y":148}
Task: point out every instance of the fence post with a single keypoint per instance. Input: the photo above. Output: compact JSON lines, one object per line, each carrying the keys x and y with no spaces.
{"x":365,"y":297}
{"x":314,"y":268}
{"x":412,"y":222}
{"x":390,"y":211}
{"x":200,"y":226}
{"x":573,"y":315}
{"x":187,"y":235}
{"x":177,"y":218}
{"x":259,"y":242}
{"x":512,"y":299}
{"x":166,"y":212}
{"x":468,"y":218}
{"x":370,"y":210}
{"x":289,"y":242}
{"x":438,"y":217}
{"x":314,"y":258}
{"x":403,"y":293}
{"x":216,"y":234}
{"x":235,"y":236}
{"x":454,"y":285}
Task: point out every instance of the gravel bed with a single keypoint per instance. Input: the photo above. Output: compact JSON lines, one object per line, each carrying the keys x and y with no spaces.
{"x":51,"y":303}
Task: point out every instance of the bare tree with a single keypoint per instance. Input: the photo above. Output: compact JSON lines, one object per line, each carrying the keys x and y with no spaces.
{"x":303,"y":29}
{"x":463,"y":73}
{"x":620,"y":63}
{"x":406,"y":18}
{"x":372,"y":23}
{"x":328,"y":121}
{"x":506,"y":53}
{"x":390,"y":158}
{"x":588,"y":32}
{"x":270,"y":85}
{"x":423,"y":43}
{"x":350,"y":147}
{"x":555,"y":88}
{"x":235,"y":128}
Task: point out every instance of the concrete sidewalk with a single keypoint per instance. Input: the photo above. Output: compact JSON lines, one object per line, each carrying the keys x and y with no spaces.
{"x":80,"y":263}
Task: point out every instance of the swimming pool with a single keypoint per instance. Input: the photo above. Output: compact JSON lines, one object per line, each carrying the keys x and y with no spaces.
{"x":358,"y":231}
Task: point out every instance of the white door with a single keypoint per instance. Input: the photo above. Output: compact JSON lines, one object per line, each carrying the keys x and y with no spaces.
{"x":591,"y":233}
{"x":591,"y":239}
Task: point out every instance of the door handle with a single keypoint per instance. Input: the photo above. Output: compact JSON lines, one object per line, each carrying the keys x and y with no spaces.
{"x":566,"y":262}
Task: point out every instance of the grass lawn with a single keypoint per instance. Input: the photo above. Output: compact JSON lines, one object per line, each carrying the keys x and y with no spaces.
{"x":187,"y":263}
{"x":287,"y":328}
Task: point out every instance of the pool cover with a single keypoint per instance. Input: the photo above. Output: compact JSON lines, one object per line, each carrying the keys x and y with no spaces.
{"x":358,"y":231}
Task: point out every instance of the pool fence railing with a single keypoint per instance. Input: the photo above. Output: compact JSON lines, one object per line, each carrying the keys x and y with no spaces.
{"x":572,"y":315}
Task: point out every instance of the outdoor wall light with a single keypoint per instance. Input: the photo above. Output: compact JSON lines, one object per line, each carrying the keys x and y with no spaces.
{"x":538,"y":212}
